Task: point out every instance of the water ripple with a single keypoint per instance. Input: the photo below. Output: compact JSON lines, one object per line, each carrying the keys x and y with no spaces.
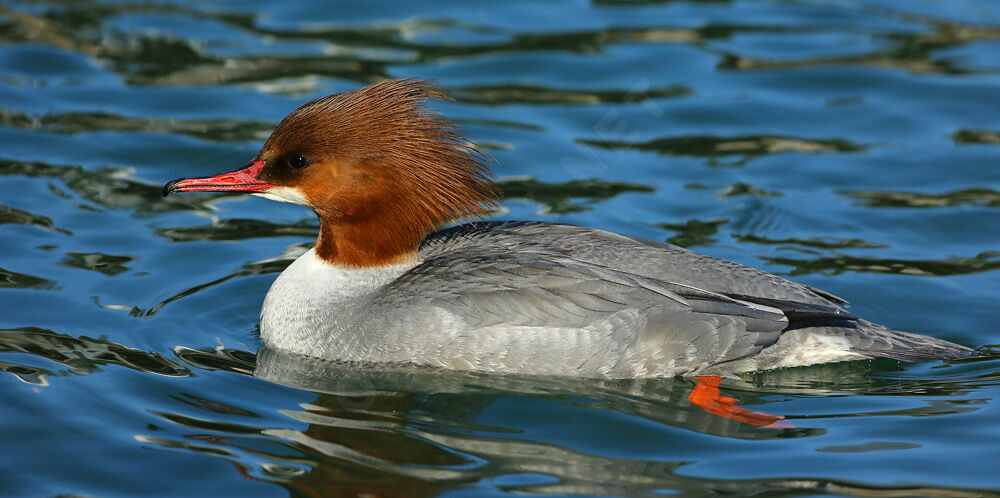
{"x":84,"y":355}
{"x":107,"y":264}
{"x":742,"y":148}
{"x":983,"y":197}
{"x":17,"y":216}
{"x":13,"y":279}
{"x":108,"y":187}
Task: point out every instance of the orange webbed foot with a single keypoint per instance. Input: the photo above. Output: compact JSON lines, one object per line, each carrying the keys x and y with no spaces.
{"x":706,"y":395}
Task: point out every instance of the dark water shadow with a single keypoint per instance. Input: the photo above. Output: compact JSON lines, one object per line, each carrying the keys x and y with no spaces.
{"x":75,"y":355}
{"x":108,"y":264}
{"x":19,"y":217}
{"x":729,"y":151}
{"x":559,"y":197}
{"x":840,"y":263}
{"x":14,"y":280}
{"x":812,"y":242}
{"x":739,"y":189}
{"x":982,"y":197}
{"x":693,"y":232}
{"x":968,"y":137}
{"x":537,"y":94}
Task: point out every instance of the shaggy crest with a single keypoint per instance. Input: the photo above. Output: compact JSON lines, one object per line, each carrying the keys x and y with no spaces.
{"x":389,"y":122}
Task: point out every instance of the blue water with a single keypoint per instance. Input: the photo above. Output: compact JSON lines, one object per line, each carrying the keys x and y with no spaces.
{"x":849,"y":145}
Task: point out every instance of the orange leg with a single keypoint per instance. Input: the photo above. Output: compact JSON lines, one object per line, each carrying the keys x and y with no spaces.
{"x":706,"y":395}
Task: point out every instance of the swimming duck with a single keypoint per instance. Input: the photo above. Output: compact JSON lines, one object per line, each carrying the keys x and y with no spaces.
{"x":382,"y":170}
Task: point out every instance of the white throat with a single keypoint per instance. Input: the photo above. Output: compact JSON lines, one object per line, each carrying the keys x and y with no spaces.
{"x":284,"y":194}
{"x":313,"y":299}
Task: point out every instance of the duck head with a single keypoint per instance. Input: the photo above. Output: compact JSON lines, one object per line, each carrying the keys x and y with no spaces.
{"x":378,"y":167}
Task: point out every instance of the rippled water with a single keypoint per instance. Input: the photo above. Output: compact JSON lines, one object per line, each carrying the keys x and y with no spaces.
{"x":854,"y":146}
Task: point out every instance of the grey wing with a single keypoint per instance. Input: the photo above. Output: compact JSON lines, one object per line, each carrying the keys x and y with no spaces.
{"x":547,"y":313}
{"x":631,"y":254}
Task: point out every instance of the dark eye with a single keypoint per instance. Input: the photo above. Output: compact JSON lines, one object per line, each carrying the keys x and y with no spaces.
{"x":297,"y":161}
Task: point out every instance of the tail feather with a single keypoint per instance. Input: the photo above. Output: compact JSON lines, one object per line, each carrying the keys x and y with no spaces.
{"x":904,"y":346}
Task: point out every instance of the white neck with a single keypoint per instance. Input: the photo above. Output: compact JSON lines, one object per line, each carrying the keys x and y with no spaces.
{"x":313,"y":299}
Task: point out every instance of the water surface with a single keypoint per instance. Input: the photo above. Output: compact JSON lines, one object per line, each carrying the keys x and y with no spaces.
{"x":853,"y":146}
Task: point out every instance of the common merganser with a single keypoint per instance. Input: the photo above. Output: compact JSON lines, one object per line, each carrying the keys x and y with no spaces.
{"x":381,"y":170}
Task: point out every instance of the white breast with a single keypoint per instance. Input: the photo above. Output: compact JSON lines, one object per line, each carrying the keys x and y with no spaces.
{"x":314,"y":304}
